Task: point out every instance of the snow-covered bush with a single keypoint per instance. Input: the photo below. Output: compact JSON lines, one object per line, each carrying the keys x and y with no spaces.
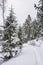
{"x":36,"y":42}
{"x":32,"y":43}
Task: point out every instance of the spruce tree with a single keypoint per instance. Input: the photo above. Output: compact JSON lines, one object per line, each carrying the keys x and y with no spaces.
{"x":35,"y":29}
{"x":20,"y":35}
{"x":9,"y":34}
{"x":40,"y":14}
{"x":27,"y":27}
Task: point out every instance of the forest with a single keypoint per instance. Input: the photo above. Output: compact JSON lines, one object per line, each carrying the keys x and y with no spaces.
{"x":13,"y":36}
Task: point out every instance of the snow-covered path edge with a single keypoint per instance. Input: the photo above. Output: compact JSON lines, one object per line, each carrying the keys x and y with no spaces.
{"x":37,"y":56}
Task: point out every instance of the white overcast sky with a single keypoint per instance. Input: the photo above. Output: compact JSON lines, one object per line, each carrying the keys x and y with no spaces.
{"x":22,"y":8}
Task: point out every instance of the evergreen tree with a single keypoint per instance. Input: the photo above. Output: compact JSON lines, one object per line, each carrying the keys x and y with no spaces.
{"x":35,"y":29}
{"x":23,"y":34}
{"x":40,"y":13}
{"x":20,"y":35}
{"x":27,"y":27}
{"x":9,"y":33}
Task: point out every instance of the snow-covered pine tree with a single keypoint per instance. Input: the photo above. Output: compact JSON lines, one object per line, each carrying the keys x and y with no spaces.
{"x":40,"y":14}
{"x":9,"y":34}
{"x":35,"y":29}
{"x":27,"y":27}
{"x":20,"y":35}
{"x":23,"y":34}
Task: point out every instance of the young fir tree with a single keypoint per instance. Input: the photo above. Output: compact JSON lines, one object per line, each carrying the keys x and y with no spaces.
{"x":9,"y":34}
{"x":20,"y":35}
{"x":35,"y":29}
{"x":40,"y":14}
{"x":27,"y":27}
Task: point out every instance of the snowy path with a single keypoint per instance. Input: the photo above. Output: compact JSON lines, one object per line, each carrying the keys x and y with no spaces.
{"x":1,"y":61}
{"x":37,"y":57}
{"x":38,"y":60}
{"x":29,"y":56}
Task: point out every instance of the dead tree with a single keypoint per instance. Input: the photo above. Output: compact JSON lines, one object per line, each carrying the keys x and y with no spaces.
{"x":2,"y":5}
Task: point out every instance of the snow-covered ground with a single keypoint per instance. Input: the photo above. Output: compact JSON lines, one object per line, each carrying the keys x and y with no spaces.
{"x":31,"y":54}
